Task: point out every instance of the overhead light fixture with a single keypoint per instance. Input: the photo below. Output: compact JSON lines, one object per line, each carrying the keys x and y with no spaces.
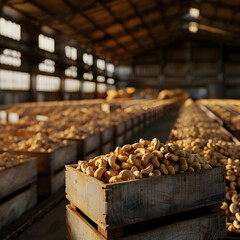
{"x":194,"y":12}
{"x":193,"y":27}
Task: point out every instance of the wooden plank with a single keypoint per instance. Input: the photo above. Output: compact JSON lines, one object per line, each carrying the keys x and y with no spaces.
{"x":120,"y":204}
{"x":14,"y":178}
{"x":49,"y":184}
{"x":107,"y":148}
{"x":16,"y":206}
{"x":120,"y":140}
{"x":211,"y":226}
{"x":107,"y":134}
{"x":119,"y":128}
{"x":48,"y":162}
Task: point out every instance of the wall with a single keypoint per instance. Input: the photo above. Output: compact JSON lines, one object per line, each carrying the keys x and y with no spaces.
{"x":191,"y":65}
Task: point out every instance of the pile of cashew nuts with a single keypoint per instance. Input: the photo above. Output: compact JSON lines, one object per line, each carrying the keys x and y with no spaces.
{"x":218,"y":151}
{"x":39,"y":142}
{"x":8,"y":160}
{"x":141,"y":160}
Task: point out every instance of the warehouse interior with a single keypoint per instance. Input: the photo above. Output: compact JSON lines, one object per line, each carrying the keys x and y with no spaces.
{"x":84,"y":80}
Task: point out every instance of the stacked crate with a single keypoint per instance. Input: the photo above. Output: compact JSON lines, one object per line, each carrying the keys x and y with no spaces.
{"x":170,"y":207}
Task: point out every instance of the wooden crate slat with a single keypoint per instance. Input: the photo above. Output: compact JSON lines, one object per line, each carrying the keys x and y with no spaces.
{"x":14,"y":178}
{"x":16,"y":206}
{"x":211,"y":226}
{"x":120,"y":204}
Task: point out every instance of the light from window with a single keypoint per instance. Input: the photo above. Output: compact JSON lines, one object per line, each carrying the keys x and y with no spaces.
{"x":100,"y":78}
{"x":88,"y":76}
{"x":46,"y":43}
{"x":101,"y":88}
{"x":110,"y":68}
{"x":72,"y":85}
{"x":10,"y":57}
{"x":71,"y":71}
{"x":12,"y":80}
{"x":193,"y":27}
{"x":10,"y":29}
{"x":101,"y":64}
{"x":88,"y":59}
{"x":47,"y":65}
{"x":71,"y":52}
{"x":110,"y":81}
{"x":194,"y":12}
{"x":89,"y":87}
{"x":47,"y":83}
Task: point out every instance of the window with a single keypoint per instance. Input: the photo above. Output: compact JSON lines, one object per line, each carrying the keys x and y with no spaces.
{"x":10,"y":29}
{"x":110,"y":68}
{"x":71,"y":71}
{"x":89,"y":87}
{"x":10,"y":57}
{"x":101,"y":64}
{"x":101,"y":88}
{"x":110,"y":81}
{"x":88,"y":76}
{"x":100,"y":78}
{"x":47,"y":65}
{"x":12,"y":80}
{"x":88,"y":59}
{"x":46,"y":43}
{"x":72,"y":85}
{"x":71,"y":52}
{"x":47,"y":83}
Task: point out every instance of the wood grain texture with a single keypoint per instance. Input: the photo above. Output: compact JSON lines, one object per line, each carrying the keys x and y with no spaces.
{"x":120,"y":204}
{"x":210,"y":227}
{"x":49,"y":184}
{"x":107,"y":134}
{"x":16,"y":206}
{"x":52,"y":161}
{"x":14,"y":178}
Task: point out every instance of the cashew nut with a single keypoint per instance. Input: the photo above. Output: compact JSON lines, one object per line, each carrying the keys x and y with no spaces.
{"x":137,"y":145}
{"x":115,"y":179}
{"x":184,"y":165}
{"x":118,"y":150}
{"x":157,"y":153}
{"x":155,"y":143}
{"x":171,"y":156}
{"x":233,"y":208}
{"x":125,"y":165}
{"x":170,"y":169}
{"x":155,"y":162}
{"x":99,"y":172}
{"x":144,"y":142}
{"x":89,"y":171}
{"x":163,"y":169}
{"x":127,"y":148}
{"x":148,"y":169}
{"x":112,"y":162}
{"x":134,"y":161}
{"x":156,"y":173}
{"x":110,"y":173}
{"x":122,"y":158}
{"x":146,"y":158}
{"x":84,"y":165}
{"x":236,"y":224}
{"x":137,"y":174}
{"x":101,"y":163}
{"x":126,"y":175}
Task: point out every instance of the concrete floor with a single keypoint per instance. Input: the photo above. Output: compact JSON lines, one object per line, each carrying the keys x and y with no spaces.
{"x":52,"y":225}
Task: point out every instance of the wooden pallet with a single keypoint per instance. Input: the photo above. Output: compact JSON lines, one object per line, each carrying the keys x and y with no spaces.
{"x":14,"y":206}
{"x":207,"y":226}
{"x":17,"y":177}
{"x":120,"y":204}
{"x":48,"y":162}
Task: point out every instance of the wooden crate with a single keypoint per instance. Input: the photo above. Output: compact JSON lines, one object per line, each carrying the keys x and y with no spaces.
{"x":51,"y":183}
{"x":12,"y":208}
{"x":209,"y":226}
{"x":87,"y":145}
{"x":120,"y":204}
{"x":17,"y":177}
{"x":48,"y":162}
{"x":91,"y":155}
{"x":128,"y":134}
{"x":107,"y":147}
{"x":119,"y":128}
{"x":120,"y":140}
{"x":107,"y":135}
